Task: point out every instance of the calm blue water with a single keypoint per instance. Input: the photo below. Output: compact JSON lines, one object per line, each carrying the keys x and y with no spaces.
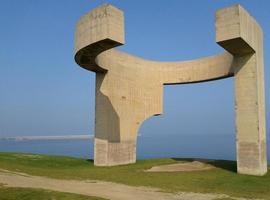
{"x":221,"y":147}
{"x":199,"y":146}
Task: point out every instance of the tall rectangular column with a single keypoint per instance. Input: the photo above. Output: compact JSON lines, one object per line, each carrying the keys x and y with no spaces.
{"x":250,"y":119}
{"x":241,"y":35}
{"x":110,"y":148}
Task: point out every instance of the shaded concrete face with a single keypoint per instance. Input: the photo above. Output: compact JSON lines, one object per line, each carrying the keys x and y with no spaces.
{"x":130,"y":89}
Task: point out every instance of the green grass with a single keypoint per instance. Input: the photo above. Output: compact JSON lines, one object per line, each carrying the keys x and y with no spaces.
{"x":222,"y":179}
{"x":7,"y":193}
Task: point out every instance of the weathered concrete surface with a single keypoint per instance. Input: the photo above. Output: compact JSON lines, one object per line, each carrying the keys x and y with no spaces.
{"x":130,"y":89}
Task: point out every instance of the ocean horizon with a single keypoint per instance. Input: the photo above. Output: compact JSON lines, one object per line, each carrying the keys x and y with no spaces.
{"x":148,"y":146}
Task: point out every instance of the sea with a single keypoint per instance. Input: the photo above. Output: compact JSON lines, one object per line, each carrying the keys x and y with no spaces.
{"x":164,"y":146}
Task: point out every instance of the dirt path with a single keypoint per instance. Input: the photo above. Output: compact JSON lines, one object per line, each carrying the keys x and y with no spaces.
{"x":106,"y":190}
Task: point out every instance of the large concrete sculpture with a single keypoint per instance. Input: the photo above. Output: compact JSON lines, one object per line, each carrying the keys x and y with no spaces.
{"x":130,"y":89}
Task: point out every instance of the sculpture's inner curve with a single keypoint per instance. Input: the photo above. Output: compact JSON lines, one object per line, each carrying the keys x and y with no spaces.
{"x":179,"y":72}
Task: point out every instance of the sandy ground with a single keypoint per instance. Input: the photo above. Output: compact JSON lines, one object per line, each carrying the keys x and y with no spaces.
{"x":181,"y":167}
{"x":106,"y":190}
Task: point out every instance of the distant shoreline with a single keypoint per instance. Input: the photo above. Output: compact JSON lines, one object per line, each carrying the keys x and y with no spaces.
{"x":58,"y":137}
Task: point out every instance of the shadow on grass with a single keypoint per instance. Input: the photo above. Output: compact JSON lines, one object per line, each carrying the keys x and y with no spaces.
{"x":222,"y":164}
{"x":90,"y":160}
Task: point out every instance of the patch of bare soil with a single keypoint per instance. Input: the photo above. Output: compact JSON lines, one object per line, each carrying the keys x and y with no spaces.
{"x":182,"y":167}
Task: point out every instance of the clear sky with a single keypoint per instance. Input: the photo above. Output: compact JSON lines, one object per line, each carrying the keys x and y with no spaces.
{"x":44,"y":92}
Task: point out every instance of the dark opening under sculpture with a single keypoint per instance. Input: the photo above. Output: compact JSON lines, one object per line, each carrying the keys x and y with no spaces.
{"x":130,"y":89}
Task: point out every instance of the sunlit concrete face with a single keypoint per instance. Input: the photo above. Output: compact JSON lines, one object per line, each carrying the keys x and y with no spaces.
{"x":130,"y":89}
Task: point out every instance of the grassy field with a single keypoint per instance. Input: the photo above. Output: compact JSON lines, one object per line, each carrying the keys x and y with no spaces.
{"x":7,"y":193}
{"x":221,"y":179}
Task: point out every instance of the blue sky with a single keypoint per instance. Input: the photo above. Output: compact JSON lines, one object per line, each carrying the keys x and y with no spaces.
{"x":44,"y":92}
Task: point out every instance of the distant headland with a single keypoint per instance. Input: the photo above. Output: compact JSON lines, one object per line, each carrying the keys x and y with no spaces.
{"x":54,"y":137}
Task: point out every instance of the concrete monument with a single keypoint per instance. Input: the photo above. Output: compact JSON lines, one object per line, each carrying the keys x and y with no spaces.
{"x":130,"y":89}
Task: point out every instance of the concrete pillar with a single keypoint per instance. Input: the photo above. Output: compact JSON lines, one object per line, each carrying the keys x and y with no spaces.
{"x":97,"y":31}
{"x":239,"y":33}
{"x":111,"y":147}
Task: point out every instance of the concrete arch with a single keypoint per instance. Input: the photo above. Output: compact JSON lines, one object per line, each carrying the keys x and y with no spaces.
{"x":129,"y":89}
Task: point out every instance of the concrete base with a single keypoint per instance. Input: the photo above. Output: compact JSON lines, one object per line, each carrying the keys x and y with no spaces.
{"x":251,"y":158}
{"x":114,"y":153}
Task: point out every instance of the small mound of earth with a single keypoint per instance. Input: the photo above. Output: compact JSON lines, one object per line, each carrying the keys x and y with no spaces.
{"x":182,"y":167}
